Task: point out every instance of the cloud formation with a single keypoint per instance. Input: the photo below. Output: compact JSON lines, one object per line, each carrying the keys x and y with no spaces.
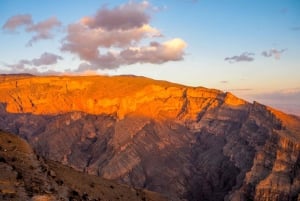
{"x":42,"y":30}
{"x":123,"y":17}
{"x":85,"y":42}
{"x":155,"y":53}
{"x":45,"y":59}
{"x":246,"y":56}
{"x":16,"y":21}
{"x":273,"y":52}
{"x":113,"y":37}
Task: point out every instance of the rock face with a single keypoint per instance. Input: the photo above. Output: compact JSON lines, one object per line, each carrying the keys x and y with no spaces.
{"x":185,"y":142}
{"x":25,"y":176}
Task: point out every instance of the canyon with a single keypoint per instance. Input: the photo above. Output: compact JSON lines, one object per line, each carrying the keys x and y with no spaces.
{"x":26,"y":176}
{"x":185,"y":143}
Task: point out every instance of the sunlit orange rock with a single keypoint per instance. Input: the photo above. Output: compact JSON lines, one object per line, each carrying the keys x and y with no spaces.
{"x":99,"y":94}
{"x":188,"y":143}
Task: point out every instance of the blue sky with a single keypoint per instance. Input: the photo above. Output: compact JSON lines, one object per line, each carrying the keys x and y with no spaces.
{"x":251,"y":48}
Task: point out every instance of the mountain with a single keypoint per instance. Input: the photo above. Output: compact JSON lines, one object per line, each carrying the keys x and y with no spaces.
{"x":26,"y":176}
{"x":188,"y":143}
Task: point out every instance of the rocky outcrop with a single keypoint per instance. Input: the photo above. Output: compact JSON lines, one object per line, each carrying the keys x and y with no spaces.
{"x":26,"y":176}
{"x":189,"y":143}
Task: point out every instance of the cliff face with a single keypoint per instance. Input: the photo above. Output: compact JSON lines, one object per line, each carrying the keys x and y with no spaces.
{"x":187,"y":143}
{"x":26,"y":176}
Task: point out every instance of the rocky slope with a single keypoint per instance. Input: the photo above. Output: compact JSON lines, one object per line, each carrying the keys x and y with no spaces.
{"x":26,"y":176}
{"x":189,"y":143}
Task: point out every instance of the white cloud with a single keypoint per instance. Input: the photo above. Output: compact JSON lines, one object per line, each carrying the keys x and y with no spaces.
{"x":113,"y":37}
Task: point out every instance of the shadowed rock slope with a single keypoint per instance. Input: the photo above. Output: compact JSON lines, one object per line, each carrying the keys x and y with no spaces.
{"x":25,"y":176}
{"x":188,"y":143}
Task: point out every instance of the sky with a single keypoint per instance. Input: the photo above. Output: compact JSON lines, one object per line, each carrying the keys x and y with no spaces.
{"x":248,"y":47}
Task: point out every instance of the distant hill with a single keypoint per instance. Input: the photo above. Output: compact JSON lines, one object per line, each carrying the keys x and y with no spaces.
{"x":17,"y":75}
{"x":187,"y":143}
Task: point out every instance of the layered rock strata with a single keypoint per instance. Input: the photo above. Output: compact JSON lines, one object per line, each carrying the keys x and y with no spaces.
{"x":189,"y":143}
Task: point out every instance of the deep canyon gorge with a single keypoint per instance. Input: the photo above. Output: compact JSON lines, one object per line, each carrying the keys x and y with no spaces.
{"x":185,"y":143}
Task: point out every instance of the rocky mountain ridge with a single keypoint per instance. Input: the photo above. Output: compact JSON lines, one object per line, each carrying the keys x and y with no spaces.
{"x":189,"y":143}
{"x":97,"y":95}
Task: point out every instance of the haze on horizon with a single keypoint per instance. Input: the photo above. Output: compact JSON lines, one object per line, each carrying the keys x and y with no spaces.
{"x":250,"y":48}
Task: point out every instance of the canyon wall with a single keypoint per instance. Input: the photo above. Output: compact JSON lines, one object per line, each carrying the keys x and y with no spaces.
{"x":188,"y":143}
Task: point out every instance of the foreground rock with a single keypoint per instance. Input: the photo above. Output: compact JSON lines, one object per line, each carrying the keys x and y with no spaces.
{"x":25,"y":176}
{"x":186,"y":143}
